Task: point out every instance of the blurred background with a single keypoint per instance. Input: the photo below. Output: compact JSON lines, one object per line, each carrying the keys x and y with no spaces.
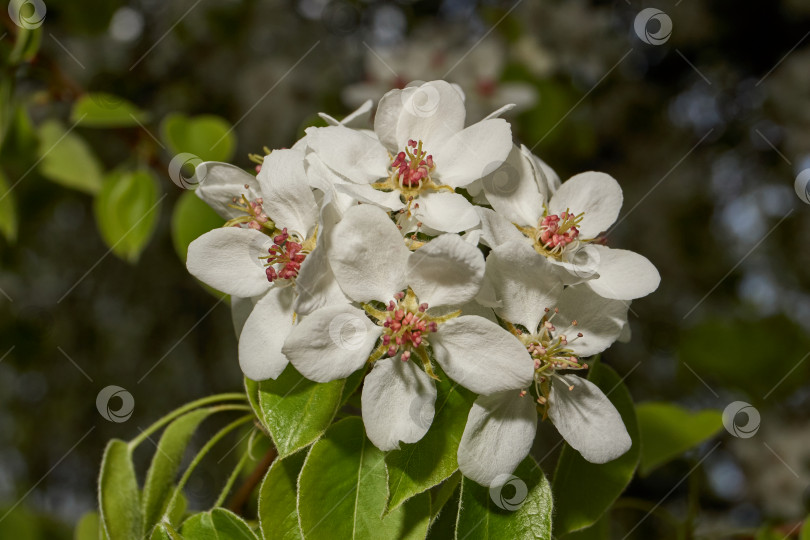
{"x":701,"y":110}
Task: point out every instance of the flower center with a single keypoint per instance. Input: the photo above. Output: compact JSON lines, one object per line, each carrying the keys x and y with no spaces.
{"x":254,"y":217}
{"x":286,"y":253}
{"x":413,"y":166}
{"x":406,"y":325}
{"x":555,"y":232}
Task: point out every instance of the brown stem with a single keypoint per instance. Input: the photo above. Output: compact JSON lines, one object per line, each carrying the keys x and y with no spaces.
{"x":238,"y":500}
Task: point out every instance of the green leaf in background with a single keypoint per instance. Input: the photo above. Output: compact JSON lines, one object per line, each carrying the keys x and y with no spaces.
{"x":583,"y":491}
{"x":342,"y":491}
{"x":208,"y":137}
{"x":28,"y":40}
{"x":598,"y":531}
{"x":278,"y":516}
{"x":88,"y":527}
{"x":126,"y":211}
{"x":102,"y":110}
{"x":218,"y":524}
{"x":420,"y":466}
{"x":67,"y":159}
{"x":667,"y":431}
{"x":441,"y":494}
{"x":296,"y":411}
{"x":160,"y":477}
{"x":804,"y":533}
{"x":8,"y":210}
{"x":191,"y":218}
{"x":119,"y":498}
{"x":520,"y":508}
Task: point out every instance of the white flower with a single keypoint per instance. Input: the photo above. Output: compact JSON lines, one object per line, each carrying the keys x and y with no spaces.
{"x":373,"y":267}
{"x":560,"y":326}
{"x":564,"y":225}
{"x":268,"y":252}
{"x":421,"y":153}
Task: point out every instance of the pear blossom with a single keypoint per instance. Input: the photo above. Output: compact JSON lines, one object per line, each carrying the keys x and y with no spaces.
{"x":558,"y":326}
{"x":267,"y":257}
{"x":564,"y":223}
{"x":419,"y":155}
{"x":406,"y":301}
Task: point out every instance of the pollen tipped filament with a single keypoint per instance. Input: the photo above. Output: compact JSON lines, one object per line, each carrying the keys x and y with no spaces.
{"x":284,"y":252}
{"x":412,"y":167}
{"x":254,"y":217}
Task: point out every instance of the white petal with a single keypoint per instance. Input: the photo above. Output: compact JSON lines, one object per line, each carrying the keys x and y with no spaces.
{"x":498,"y":436}
{"x":548,"y":181}
{"x":219,"y":183}
{"x":316,"y":284}
{"x":263,"y":335}
{"x":432,"y":113}
{"x":397,"y":402}
{"x":387,"y":200}
{"x":524,"y":283}
{"x":240,"y":311}
{"x":387,"y":117}
{"x":600,"y":320}
{"x":368,"y":255}
{"x":513,"y":191}
{"x":357,"y":118}
{"x":446,"y":271}
{"x":497,"y":230}
{"x":624,"y":275}
{"x":227,"y":259}
{"x":501,"y":111}
{"x":595,"y":193}
{"x":473,"y":152}
{"x":587,"y":419}
{"x":331,"y":343}
{"x":288,"y":199}
{"x":350,"y":153}
{"x":481,"y":356}
{"x":447,"y":212}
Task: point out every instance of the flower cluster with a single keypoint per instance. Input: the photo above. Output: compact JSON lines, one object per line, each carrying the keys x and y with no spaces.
{"x":426,"y":249}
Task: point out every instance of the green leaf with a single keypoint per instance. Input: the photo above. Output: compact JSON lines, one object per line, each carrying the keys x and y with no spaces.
{"x":8,"y":210}
{"x":67,"y":159}
{"x":521,"y":508}
{"x":667,"y":431}
{"x":443,"y":525}
{"x":577,"y":480}
{"x":353,"y":382}
{"x":119,"y":498}
{"x":88,"y":527}
{"x":419,"y":466}
{"x":342,"y":491}
{"x":598,"y":531}
{"x":440,"y":495}
{"x":160,"y":477}
{"x":804,"y":533}
{"x":165,"y":531}
{"x":28,"y":40}
{"x":102,"y":110}
{"x":126,"y":212}
{"x":208,"y":137}
{"x":296,"y":411}
{"x":191,"y":219}
{"x":278,"y":516}
{"x":218,"y":524}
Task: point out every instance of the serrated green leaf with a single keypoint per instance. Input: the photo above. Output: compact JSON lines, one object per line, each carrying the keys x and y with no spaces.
{"x":278,"y":516}
{"x":419,"y":466}
{"x":208,"y":137}
{"x":119,"y":497}
{"x":191,"y":219}
{"x":160,"y":477}
{"x":218,"y":524}
{"x":296,"y":411}
{"x":521,"y":508}
{"x":342,"y":491}
{"x":577,"y":480}
{"x":67,"y":159}
{"x":102,"y":110}
{"x":667,"y":431}
{"x":443,"y":525}
{"x":88,"y":527}
{"x":8,"y":210}
{"x":126,"y":212}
